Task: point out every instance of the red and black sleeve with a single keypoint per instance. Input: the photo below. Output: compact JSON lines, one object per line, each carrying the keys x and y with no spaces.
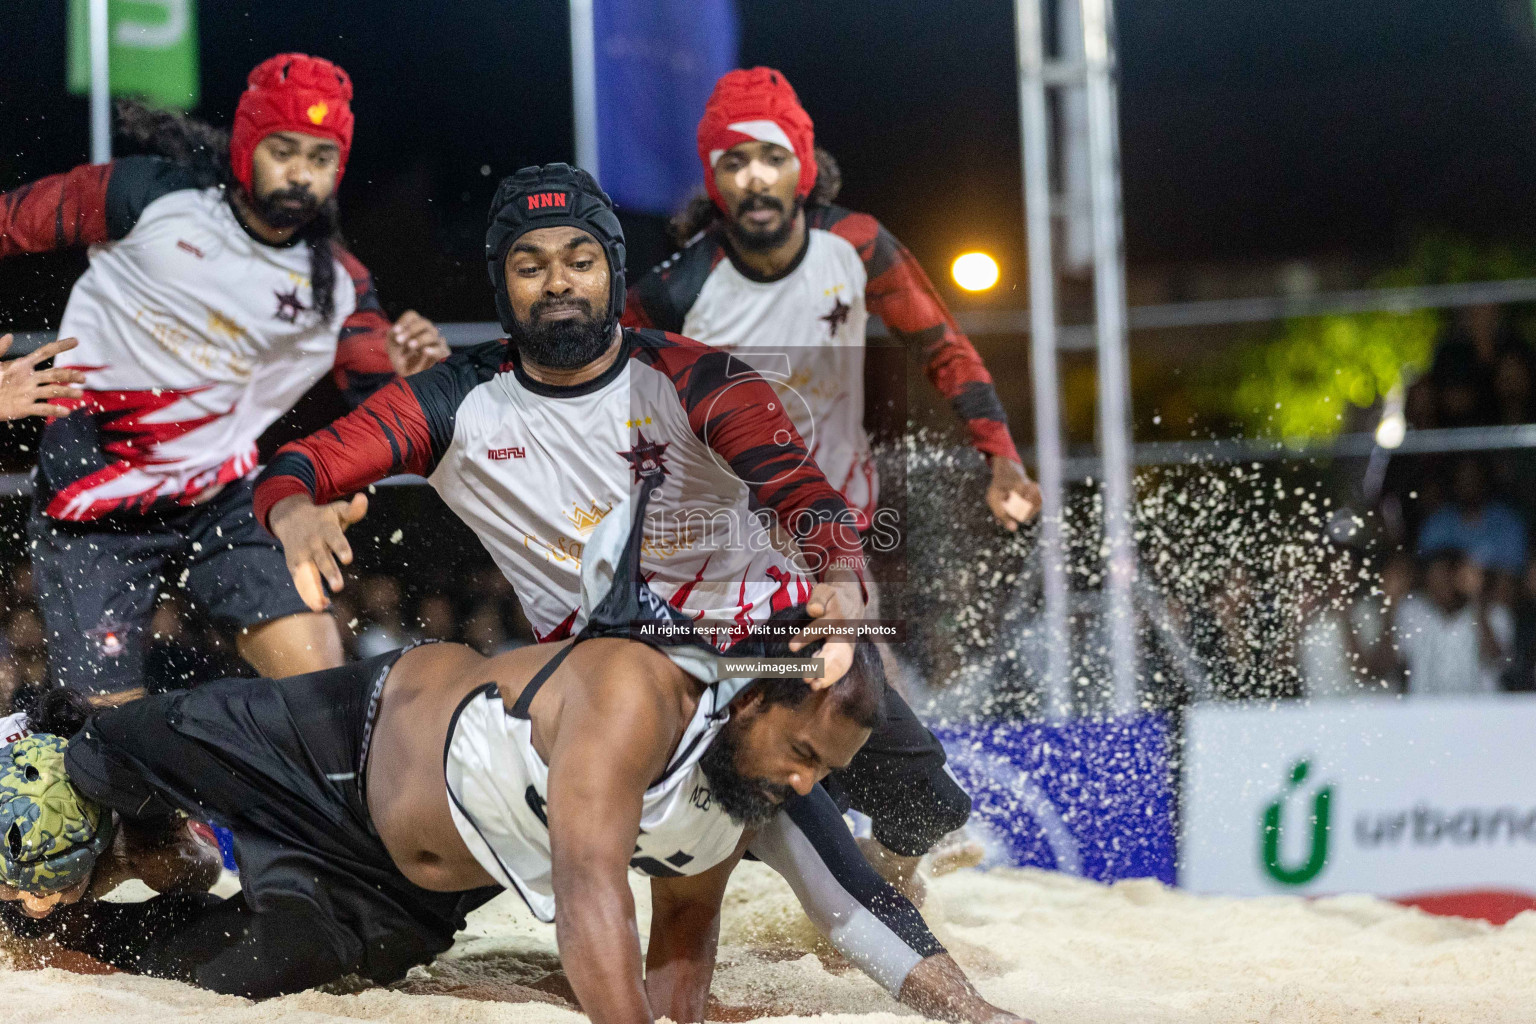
{"x":735,"y":412}
{"x":900,"y":294}
{"x":60,"y":211}
{"x":404,"y":427}
{"x":362,"y":350}
{"x":91,"y":204}
{"x":662,"y":297}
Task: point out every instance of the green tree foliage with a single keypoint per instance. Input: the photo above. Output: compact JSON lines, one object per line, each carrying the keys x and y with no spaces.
{"x":1299,"y":384}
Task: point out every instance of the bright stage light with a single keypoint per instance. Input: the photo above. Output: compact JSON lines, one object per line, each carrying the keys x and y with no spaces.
{"x":975,"y":271}
{"x":1392,"y":430}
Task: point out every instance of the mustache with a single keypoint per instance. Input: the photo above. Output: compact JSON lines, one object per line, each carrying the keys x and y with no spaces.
{"x":543,"y":306}
{"x":759,"y":202}
{"x":776,"y":794}
{"x":298,"y":193}
{"x":274,"y":207}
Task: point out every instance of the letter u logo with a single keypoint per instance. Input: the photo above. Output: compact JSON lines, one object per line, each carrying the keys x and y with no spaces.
{"x":1317,"y":855}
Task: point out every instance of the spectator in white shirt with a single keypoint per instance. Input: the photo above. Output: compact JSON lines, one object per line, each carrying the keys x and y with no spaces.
{"x":1350,"y":647}
{"x":1454,"y":639}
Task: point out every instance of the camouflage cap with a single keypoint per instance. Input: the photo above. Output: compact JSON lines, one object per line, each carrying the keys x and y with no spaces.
{"x":50,"y":835}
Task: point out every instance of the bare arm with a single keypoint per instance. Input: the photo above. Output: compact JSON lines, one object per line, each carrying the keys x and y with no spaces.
{"x":611,"y":737}
{"x":685,"y":931}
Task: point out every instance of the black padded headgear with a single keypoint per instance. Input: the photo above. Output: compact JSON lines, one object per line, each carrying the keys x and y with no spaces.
{"x":551,"y":196}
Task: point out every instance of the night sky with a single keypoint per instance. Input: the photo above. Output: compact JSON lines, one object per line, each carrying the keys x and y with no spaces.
{"x":1252,"y":132}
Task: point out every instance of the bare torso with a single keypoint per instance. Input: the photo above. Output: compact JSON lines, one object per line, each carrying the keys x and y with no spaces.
{"x":407,"y":794}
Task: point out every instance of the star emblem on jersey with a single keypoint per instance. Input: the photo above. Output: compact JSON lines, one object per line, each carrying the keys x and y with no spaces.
{"x":289,"y":306}
{"x":645,"y":458}
{"x":838,"y":316}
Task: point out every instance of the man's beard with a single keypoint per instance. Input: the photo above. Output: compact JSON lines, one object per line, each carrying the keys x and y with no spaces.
{"x":748,"y":802}
{"x":563,"y":344}
{"x":755,"y":239}
{"x":275,"y":211}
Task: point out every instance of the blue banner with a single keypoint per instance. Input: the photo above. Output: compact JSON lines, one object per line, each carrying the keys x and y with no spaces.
{"x":1089,"y":798}
{"x":657,"y":61}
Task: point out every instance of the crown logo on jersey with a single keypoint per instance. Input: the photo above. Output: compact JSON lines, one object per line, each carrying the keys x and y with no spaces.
{"x":586,"y":520}
{"x":317,"y":112}
{"x":646,"y":458}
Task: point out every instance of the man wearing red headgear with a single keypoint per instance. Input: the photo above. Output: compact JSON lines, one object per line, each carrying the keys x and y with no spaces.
{"x":770,"y":266}
{"x":218,"y":292}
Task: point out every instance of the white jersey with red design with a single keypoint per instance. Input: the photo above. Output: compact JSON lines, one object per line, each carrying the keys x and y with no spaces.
{"x":194,"y":335}
{"x":14,"y":727}
{"x":804,"y":331}
{"x":534,"y":468}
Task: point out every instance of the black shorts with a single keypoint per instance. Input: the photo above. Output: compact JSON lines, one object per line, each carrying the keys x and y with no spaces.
{"x":278,"y":763}
{"x":97,"y":582}
{"x":899,"y":779}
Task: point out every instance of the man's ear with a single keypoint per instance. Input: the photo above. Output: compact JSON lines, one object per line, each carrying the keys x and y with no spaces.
{"x":749,"y":699}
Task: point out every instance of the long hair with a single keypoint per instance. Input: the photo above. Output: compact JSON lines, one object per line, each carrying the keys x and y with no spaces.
{"x":700,"y":211}
{"x":204,"y":151}
{"x":53,"y":710}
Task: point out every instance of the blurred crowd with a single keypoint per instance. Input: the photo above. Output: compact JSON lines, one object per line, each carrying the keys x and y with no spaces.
{"x":1453,"y":605}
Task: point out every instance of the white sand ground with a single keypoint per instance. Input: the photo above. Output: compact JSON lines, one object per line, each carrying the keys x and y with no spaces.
{"x":1056,"y":949}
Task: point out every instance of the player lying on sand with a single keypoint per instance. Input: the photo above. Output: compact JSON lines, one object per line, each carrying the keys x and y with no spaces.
{"x":375,"y":804}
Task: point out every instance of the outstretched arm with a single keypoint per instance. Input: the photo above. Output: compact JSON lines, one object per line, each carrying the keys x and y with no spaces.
{"x":867,"y":920}
{"x":685,"y":931}
{"x":371,"y":351}
{"x":611,"y":738}
{"x":404,"y":427}
{"x":57,"y":212}
{"x":900,"y":294}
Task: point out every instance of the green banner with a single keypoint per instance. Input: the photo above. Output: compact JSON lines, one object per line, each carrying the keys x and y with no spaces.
{"x":152,"y":50}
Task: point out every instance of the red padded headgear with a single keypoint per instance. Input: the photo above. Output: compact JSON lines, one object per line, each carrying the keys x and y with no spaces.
{"x":292,"y":92}
{"x":756,"y":104}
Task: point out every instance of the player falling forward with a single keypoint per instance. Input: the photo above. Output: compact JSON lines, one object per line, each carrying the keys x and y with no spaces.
{"x":773,"y":271}
{"x":217,"y":294}
{"x":375,"y":804}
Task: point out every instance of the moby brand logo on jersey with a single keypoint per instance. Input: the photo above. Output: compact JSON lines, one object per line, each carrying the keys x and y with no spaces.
{"x":499,"y":454}
{"x":547,"y":201}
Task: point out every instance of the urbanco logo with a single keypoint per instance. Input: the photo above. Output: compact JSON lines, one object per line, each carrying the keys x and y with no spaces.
{"x":1273,"y":822}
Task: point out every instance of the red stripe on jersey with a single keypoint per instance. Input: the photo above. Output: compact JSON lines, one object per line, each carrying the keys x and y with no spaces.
{"x":560,"y":632}
{"x":362,"y":348}
{"x":901,"y":295}
{"x":56,"y":212}
{"x":735,"y":412}
{"x":635,"y":314}
{"x":387,"y":434}
{"x":125,"y":414}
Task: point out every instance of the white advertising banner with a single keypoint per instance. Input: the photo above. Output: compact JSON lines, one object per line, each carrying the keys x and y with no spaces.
{"x":1423,"y":799}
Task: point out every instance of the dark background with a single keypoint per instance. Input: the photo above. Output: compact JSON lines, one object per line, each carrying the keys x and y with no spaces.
{"x":1253,"y":133}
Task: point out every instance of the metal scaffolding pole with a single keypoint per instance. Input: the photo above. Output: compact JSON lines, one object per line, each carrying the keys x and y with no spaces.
{"x":584,"y":84}
{"x":101,"y":85}
{"x":1113,"y":357}
{"x":1034,"y":132}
